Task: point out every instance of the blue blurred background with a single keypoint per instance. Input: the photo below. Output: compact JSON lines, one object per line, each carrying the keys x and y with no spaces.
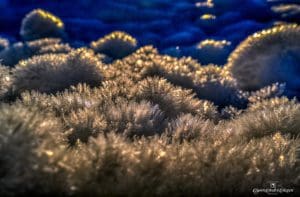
{"x":173,"y":26}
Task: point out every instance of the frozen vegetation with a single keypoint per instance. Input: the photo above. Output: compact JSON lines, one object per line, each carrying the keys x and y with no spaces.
{"x":115,"y":115}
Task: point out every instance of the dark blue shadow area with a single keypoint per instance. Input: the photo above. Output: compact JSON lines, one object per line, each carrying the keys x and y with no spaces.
{"x":163,"y":23}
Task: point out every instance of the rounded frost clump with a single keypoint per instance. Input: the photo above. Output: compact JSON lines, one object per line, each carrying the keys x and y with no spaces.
{"x":211,"y":51}
{"x":41,"y":24}
{"x":267,"y":57}
{"x":55,"y":72}
{"x":268,"y":117}
{"x":116,"y":45}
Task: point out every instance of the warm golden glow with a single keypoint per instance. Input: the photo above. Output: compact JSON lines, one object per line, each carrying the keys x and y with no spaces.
{"x":51,"y":17}
{"x":281,"y":158}
{"x":117,"y":35}
{"x":49,"y":153}
{"x":208,"y":17}
{"x":213,"y":43}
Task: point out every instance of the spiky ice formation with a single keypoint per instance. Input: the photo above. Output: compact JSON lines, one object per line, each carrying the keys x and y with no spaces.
{"x":174,"y":100}
{"x":30,"y":143}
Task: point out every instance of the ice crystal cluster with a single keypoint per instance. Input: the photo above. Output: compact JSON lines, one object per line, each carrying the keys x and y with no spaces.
{"x":146,"y":124}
